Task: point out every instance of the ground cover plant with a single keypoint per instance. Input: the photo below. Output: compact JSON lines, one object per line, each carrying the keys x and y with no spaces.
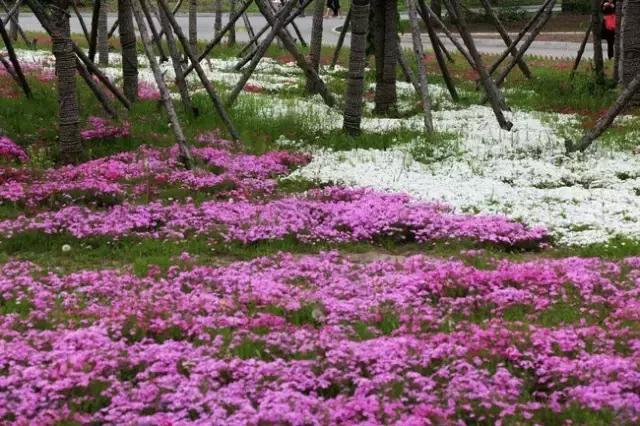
{"x":303,"y":276}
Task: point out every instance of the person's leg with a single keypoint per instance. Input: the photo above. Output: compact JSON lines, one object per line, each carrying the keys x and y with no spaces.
{"x":610,"y":36}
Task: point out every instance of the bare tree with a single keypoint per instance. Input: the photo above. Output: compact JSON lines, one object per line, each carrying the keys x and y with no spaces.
{"x":129,"y":52}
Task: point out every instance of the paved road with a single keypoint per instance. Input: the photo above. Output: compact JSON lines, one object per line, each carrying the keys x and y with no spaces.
{"x":205,"y":31}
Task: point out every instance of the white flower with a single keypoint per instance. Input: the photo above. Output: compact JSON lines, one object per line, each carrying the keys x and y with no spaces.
{"x":66,"y":248}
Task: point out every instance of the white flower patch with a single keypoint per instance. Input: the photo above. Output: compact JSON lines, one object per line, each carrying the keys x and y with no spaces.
{"x":523,"y":174}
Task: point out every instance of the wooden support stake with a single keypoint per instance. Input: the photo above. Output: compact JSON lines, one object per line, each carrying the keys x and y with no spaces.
{"x":93,"y":38}
{"x":97,"y":90}
{"x":495,"y":97}
{"x":154,"y":31}
{"x":174,"y":123}
{"x":262,"y":49}
{"x":85,"y":31}
{"x":504,"y":35}
{"x":426,"y":13}
{"x":266,"y":27}
{"x":436,"y":44}
{"x":184,"y":41}
{"x":17,"y":70}
{"x":11,"y":15}
{"x":177,"y":64}
{"x":343,"y":34}
{"x":527,"y":43}
{"x":606,"y":120}
{"x":583,"y":45}
{"x":213,"y":43}
{"x":519,"y":37}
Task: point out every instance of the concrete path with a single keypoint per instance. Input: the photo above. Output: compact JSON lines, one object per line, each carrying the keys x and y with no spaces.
{"x":557,"y":49}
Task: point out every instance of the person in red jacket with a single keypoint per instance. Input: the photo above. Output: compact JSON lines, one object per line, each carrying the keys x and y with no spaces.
{"x":609,"y":24}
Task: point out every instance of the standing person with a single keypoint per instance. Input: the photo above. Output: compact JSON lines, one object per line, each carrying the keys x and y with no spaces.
{"x":609,"y":24}
{"x":333,"y":6}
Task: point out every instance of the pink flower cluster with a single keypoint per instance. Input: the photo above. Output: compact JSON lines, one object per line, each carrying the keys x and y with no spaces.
{"x":146,"y":172}
{"x":333,"y":214}
{"x":148,"y":91}
{"x":101,"y":128}
{"x":323,"y":339}
{"x":9,"y":150}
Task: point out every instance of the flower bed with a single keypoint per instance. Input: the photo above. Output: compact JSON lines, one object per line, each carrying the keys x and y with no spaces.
{"x":323,"y":340}
{"x":337,"y":215}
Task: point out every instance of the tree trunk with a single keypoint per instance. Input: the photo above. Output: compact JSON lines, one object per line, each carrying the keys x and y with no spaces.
{"x":596,"y":31}
{"x":357,"y":63}
{"x":103,"y":40}
{"x":13,"y":25}
{"x":617,"y":43}
{"x":129,"y":52}
{"x":193,"y":25}
{"x":436,"y":6}
{"x":232,"y":31}
{"x":217,"y":26}
{"x":386,"y":94}
{"x":422,"y":72}
{"x":631,"y":45}
{"x":68,"y":111}
{"x":316,"y":41}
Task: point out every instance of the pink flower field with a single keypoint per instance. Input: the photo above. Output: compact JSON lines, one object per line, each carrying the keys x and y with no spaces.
{"x":135,"y":290}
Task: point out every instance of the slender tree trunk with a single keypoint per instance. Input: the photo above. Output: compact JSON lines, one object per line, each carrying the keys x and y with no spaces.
{"x":316,"y":41}
{"x":422,"y":71}
{"x":386,"y":94}
{"x":217,"y":26}
{"x":129,"y":51}
{"x":631,"y":45}
{"x":596,"y":22}
{"x":232,"y":31}
{"x":13,"y":25}
{"x":357,"y":63}
{"x":103,"y":40}
{"x":68,"y":111}
{"x":617,"y":43}
{"x":193,"y":25}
